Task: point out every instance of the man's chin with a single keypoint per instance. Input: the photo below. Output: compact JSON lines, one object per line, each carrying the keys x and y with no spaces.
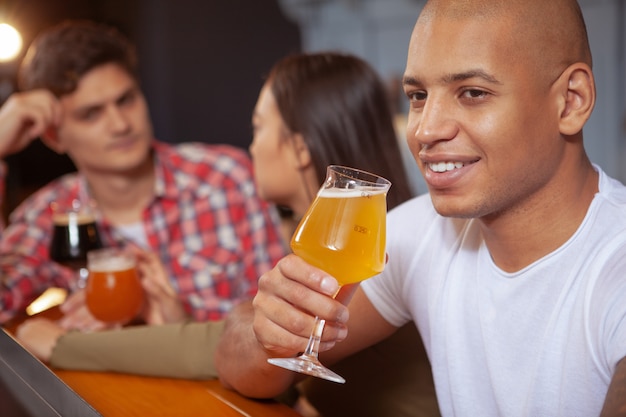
{"x":452,"y":207}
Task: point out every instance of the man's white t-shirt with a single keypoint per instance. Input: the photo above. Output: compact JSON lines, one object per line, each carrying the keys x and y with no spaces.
{"x":543,"y":341}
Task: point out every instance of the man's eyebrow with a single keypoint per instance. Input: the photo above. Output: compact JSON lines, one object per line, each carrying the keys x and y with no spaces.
{"x":476,"y":73}
{"x":451,"y":78}
{"x":411,"y":81}
{"x":87,"y":108}
{"x":98,"y":105}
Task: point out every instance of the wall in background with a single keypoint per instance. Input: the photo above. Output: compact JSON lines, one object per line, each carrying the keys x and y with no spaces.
{"x":376,"y":30}
{"x":605,"y":133}
{"x":203,"y":63}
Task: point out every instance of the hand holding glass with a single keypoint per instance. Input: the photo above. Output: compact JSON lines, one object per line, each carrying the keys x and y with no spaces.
{"x":342,"y":233}
{"x":114,"y":293}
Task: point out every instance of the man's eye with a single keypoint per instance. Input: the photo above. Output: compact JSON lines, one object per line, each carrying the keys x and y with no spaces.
{"x":474,"y":93}
{"x":416,"y":96}
{"x":90,"y":114}
{"x":127,"y":98}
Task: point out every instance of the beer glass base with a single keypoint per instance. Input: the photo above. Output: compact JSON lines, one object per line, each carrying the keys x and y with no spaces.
{"x":307,"y":366}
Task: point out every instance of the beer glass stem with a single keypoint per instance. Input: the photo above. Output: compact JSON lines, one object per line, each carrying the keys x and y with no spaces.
{"x":312,"y":347}
{"x":83,"y":273}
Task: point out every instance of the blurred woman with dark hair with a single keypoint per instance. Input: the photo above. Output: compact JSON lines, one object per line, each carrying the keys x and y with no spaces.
{"x":333,"y":109}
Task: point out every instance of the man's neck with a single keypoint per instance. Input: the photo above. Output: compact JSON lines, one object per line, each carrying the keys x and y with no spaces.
{"x":524,"y":235}
{"x":122,"y":197}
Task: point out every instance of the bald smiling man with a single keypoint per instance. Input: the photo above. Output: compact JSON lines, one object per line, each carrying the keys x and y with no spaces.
{"x":513,"y":266}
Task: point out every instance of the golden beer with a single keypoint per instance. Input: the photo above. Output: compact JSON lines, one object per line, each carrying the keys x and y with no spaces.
{"x":114,"y":293}
{"x":343,"y":233}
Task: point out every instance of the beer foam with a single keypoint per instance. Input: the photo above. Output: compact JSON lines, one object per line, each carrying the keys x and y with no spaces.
{"x":350,"y":193}
{"x":119,"y":263}
{"x":63,"y":219}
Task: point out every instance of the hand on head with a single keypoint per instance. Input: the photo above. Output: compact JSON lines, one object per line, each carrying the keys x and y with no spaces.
{"x":25,"y":117}
{"x":288,"y":299}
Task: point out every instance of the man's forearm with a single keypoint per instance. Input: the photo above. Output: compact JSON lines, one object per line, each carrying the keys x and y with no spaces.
{"x":241,"y":361}
{"x":185,"y":350}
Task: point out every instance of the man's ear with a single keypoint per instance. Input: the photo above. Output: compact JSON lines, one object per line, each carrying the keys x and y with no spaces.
{"x":51,"y":139}
{"x":301,"y":151}
{"x":579,"y":98}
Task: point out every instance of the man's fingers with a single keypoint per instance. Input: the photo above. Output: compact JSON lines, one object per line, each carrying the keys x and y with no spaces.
{"x":297,"y":269}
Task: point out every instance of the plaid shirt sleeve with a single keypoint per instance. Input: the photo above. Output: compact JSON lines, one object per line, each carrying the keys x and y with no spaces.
{"x":25,"y":266}
{"x":213,"y":233}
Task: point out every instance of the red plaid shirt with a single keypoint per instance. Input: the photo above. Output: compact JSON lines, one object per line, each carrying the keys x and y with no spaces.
{"x":212,"y":232}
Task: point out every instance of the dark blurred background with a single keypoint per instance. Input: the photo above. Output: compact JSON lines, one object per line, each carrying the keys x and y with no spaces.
{"x":201,"y":62}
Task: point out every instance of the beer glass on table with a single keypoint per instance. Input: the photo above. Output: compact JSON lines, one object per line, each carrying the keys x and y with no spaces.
{"x":342,"y":233}
{"x":114,"y":294}
{"x":74,"y":234}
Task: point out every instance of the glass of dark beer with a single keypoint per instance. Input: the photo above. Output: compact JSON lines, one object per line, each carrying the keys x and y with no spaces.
{"x":74,"y":234}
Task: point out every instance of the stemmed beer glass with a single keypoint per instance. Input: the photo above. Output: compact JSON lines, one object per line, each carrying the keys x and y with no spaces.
{"x":342,"y":233}
{"x":74,"y":234}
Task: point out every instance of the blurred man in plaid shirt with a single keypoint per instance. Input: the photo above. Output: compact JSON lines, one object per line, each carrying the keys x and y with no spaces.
{"x":190,"y":212}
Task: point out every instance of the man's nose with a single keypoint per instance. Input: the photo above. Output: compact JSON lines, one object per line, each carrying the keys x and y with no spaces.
{"x":435,"y":122}
{"x":118,"y":120}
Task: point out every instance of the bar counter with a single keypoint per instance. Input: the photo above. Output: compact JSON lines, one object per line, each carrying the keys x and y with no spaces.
{"x":129,"y":395}
{"x":37,"y":390}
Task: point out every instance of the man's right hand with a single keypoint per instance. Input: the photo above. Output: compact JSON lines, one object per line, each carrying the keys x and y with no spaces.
{"x":285,"y":306}
{"x":277,"y":323}
{"x":26,"y":116}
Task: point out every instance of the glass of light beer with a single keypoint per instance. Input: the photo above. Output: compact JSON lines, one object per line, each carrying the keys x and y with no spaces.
{"x":342,"y":233}
{"x":114,"y":293}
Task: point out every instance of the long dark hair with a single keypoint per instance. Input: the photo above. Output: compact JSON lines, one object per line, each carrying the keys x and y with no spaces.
{"x":341,"y":108}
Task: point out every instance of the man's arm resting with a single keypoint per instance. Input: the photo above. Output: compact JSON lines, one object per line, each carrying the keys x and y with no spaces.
{"x":171,"y":350}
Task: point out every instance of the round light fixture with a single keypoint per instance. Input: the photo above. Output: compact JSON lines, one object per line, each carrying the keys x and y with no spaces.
{"x":10,"y":42}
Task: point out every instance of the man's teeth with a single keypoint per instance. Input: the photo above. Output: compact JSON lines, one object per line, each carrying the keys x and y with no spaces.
{"x":445,"y":166}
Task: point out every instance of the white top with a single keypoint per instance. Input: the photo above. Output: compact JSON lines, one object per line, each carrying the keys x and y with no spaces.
{"x":135,"y":233}
{"x":543,"y":341}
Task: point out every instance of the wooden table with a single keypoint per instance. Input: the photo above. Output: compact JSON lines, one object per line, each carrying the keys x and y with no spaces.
{"x":115,"y":395}
{"x":129,"y":395}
